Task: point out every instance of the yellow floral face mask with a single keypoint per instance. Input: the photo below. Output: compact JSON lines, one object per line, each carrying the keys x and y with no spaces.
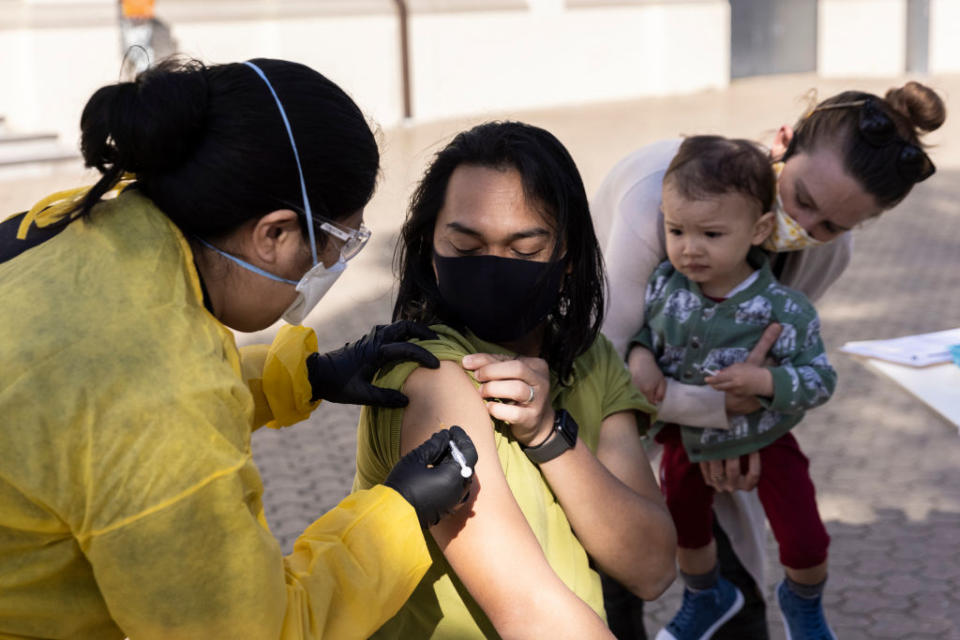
{"x":787,"y":234}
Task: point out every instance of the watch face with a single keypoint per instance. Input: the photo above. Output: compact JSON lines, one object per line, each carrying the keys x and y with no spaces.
{"x":567,"y":427}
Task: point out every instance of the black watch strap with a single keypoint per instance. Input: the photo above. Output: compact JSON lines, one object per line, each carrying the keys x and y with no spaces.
{"x":562,"y":438}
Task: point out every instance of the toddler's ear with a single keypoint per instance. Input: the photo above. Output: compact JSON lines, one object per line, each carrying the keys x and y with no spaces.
{"x":763,"y":227}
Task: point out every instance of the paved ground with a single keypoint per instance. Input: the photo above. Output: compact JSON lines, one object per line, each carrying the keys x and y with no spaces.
{"x":887,"y":469}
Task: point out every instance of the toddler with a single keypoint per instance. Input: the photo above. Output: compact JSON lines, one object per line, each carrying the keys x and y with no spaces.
{"x":705,"y":309}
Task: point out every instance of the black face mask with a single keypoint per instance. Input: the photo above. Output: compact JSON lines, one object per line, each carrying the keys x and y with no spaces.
{"x":499,"y":299}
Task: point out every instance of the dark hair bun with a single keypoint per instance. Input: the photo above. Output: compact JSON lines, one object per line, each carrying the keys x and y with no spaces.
{"x":149,"y":125}
{"x":920,"y":104}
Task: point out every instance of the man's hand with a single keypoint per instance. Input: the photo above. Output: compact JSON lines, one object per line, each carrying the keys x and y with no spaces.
{"x":517,"y":391}
{"x":646,"y":374}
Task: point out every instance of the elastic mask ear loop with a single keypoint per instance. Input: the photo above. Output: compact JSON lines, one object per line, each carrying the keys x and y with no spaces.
{"x":245,"y":264}
{"x":296,"y":155}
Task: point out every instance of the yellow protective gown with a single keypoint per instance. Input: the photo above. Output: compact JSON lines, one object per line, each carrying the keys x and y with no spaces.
{"x":129,"y":501}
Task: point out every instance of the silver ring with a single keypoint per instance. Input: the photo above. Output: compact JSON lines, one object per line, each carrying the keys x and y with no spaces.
{"x":717,"y":478}
{"x":532,"y":394}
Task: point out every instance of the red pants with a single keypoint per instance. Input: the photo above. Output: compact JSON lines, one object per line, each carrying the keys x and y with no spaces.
{"x":785,"y":489}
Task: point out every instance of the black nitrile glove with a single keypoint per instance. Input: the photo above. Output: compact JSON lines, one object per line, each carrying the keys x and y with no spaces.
{"x":436,"y":489}
{"x":344,"y":375}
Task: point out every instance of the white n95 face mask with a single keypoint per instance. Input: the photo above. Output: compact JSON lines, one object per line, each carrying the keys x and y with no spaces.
{"x":317,"y":281}
{"x":312,"y":286}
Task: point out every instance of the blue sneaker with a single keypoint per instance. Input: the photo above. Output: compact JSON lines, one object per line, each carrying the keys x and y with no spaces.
{"x":703,"y":612}
{"x":803,"y":618}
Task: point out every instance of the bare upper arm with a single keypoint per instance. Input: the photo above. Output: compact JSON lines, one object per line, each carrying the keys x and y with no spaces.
{"x":441,"y":398}
{"x":488,"y":542}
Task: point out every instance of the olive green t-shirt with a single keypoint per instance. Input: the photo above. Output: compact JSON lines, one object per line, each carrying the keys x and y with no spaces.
{"x":441,"y":607}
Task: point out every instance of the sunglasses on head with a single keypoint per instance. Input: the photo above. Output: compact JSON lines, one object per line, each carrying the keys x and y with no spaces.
{"x":878,"y":129}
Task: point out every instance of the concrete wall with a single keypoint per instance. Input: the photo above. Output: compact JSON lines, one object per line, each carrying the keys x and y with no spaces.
{"x":471,"y":62}
{"x":861,"y":37}
{"x":466,"y":56}
{"x":944,"y":54}
{"x":55,"y":54}
{"x":359,"y":53}
{"x":47,"y":75}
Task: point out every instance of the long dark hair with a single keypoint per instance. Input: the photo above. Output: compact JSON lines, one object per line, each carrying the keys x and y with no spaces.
{"x":913,"y":108}
{"x":208,"y":146}
{"x":551,"y":180}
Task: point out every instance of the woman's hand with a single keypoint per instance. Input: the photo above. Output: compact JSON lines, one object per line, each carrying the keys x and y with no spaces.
{"x":742,"y":383}
{"x":432,"y":479}
{"x":646,"y":374}
{"x":344,"y":375}
{"x":727,"y":475}
{"x":739,"y":403}
{"x":522,"y":386}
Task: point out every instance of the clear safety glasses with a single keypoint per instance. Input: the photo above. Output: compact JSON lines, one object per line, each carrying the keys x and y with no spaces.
{"x":353,"y":239}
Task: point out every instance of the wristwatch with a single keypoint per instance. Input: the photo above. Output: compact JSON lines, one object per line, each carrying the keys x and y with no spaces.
{"x":563,"y":437}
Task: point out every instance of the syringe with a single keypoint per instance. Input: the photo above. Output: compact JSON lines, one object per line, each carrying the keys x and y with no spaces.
{"x":465,"y":471}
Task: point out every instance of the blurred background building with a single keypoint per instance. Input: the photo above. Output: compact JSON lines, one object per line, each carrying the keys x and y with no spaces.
{"x":435,"y":59}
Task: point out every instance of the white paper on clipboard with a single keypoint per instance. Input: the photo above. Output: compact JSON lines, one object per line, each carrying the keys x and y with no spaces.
{"x":919,"y":350}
